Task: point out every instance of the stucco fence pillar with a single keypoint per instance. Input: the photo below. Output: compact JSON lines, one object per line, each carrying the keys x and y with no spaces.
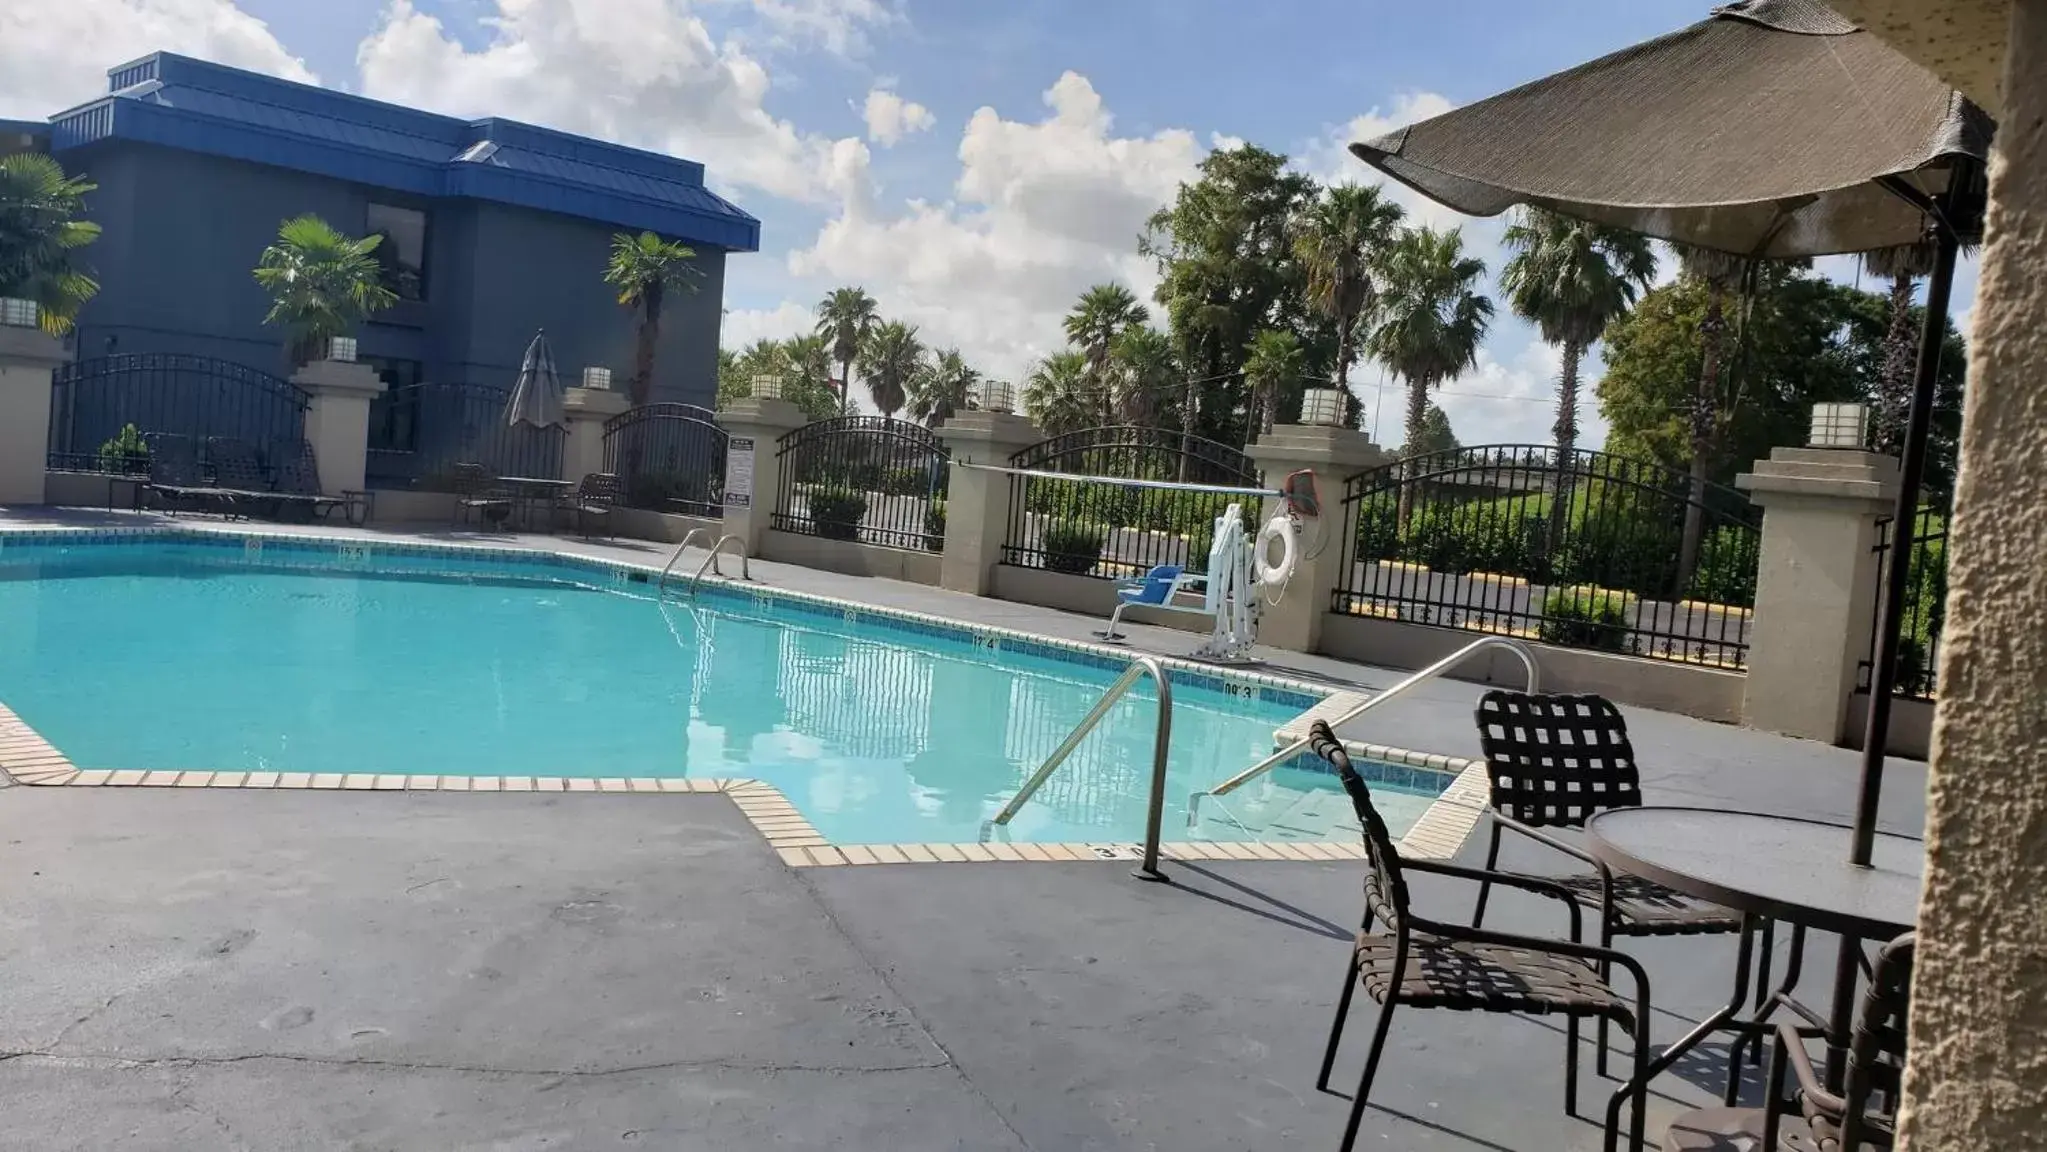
{"x":977,"y":502}
{"x":1816,"y":582}
{"x":753,"y":470}
{"x":338,"y":420}
{"x":1293,"y":617}
{"x":587,"y":409}
{"x":27,"y":358}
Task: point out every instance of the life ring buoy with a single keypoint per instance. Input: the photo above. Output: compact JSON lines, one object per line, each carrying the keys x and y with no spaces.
{"x":1269,"y":574}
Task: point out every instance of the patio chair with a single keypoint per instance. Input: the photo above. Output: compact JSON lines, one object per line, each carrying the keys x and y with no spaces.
{"x":596,"y":494}
{"x":1155,"y":589}
{"x":174,"y":476}
{"x":477,"y":494}
{"x":1421,"y":963}
{"x":240,"y":475}
{"x":1555,"y":761}
{"x":298,"y":479}
{"x":1865,"y":1113}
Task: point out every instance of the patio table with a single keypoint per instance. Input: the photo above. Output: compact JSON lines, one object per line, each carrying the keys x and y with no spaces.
{"x":529,"y":492}
{"x":1779,"y":868}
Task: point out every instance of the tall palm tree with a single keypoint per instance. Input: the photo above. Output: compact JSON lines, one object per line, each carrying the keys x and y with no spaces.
{"x":1145,"y":372}
{"x":941,"y":388}
{"x":643,"y":269}
{"x":1338,"y":240}
{"x":1722,"y":275}
{"x":1272,"y":360}
{"x":1101,"y":315}
{"x":321,"y":284}
{"x":845,"y":318}
{"x":1902,"y":266}
{"x":40,"y":231}
{"x":1430,"y":320}
{"x":893,"y":356}
{"x":1058,"y":395}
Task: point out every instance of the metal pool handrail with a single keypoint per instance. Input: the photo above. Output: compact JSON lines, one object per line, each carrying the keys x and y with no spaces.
{"x":687,"y":537}
{"x":739,"y":549}
{"x":1162,"y":741}
{"x":1431,"y":672}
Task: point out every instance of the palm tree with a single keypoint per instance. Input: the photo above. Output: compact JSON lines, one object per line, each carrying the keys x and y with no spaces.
{"x":40,"y":229}
{"x":1103,"y":313}
{"x":893,"y":356}
{"x":1902,"y":266}
{"x":1430,"y":320}
{"x":941,"y":388}
{"x":1058,"y":395}
{"x":1145,"y":372}
{"x":1722,"y":275}
{"x":845,"y":318}
{"x":1272,"y":360}
{"x":1338,"y":240}
{"x":321,"y":284}
{"x":643,"y":268}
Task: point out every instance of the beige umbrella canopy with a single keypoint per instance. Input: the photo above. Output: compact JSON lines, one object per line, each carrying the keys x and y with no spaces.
{"x":1774,"y":128}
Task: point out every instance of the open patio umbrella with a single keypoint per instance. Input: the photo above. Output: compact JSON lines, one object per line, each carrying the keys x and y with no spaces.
{"x":1773,"y":129}
{"x":537,"y":398}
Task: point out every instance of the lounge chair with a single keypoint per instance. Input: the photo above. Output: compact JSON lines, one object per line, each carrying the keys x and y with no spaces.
{"x":596,"y":494}
{"x":298,"y":478}
{"x":477,"y":494}
{"x":174,"y":476}
{"x":240,"y":475}
{"x":1155,"y":589}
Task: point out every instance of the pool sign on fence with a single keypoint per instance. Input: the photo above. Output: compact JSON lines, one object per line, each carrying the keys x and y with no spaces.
{"x":739,"y":472}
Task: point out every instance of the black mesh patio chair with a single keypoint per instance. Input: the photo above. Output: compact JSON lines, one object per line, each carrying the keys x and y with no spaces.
{"x":1418,"y":963}
{"x":596,"y":494}
{"x":1864,"y":1114}
{"x":477,"y":494}
{"x":241,"y":476}
{"x":175,"y":478}
{"x":298,"y":479}
{"x":1554,"y":762}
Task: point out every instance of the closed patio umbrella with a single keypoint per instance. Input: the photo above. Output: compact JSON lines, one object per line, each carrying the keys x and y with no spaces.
{"x":1774,"y":129}
{"x":537,"y":398}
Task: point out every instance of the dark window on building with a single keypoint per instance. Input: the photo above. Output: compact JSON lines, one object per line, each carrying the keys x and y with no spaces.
{"x":394,"y":416}
{"x":403,"y":250}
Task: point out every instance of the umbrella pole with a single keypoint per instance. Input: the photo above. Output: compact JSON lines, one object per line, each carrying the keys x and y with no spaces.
{"x":1883,"y":671}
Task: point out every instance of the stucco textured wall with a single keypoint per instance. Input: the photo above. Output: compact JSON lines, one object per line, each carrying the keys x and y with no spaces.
{"x":1978,"y":1074}
{"x":1944,"y":36}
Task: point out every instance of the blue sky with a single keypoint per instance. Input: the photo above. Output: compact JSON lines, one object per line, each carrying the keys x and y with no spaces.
{"x":974,"y":165}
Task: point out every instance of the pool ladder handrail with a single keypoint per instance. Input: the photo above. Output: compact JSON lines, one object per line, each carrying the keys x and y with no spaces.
{"x":1162,"y":740}
{"x":687,"y":537}
{"x":711,"y":561}
{"x":1431,"y":672}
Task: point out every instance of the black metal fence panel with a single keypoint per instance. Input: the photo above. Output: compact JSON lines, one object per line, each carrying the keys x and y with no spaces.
{"x":1918,"y":675}
{"x":448,"y":424}
{"x":1109,"y":531}
{"x":864,"y":478}
{"x":669,"y":458}
{"x":1591,"y":550}
{"x":196,"y":396}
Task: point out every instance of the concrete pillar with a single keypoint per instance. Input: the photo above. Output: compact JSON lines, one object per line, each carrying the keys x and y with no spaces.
{"x":27,"y":357}
{"x":338,"y":420}
{"x":1978,"y":1072}
{"x":1334,"y":455}
{"x":1816,"y":585}
{"x":977,"y":503}
{"x":753,"y":471}
{"x":587,"y":410}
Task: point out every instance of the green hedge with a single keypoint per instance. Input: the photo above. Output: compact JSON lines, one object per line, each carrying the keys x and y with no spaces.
{"x":934,"y":527}
{"x":1074,"y":546}
{"x":1586,"y":617}
{"x":837,"y":512}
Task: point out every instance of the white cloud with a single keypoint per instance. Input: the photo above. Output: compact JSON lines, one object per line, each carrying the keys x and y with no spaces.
{"x":640,"y":72}
{"x":743,"y":326}
{"x":839,"y":26}
{"x":56,"y":55}
{"x":890,"y":117}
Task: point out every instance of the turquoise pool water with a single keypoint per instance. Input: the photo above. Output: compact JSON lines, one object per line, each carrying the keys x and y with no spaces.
{"x":212,"y":654}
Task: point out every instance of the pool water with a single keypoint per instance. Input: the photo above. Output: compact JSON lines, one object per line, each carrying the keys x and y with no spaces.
{"x":181,"y":656}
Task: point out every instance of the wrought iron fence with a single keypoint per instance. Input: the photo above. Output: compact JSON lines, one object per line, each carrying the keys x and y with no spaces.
{"x":669,"y":457}
{"x":864,"y":478}
{"x":450,"y":424}
{"x":1589,"y":551}
{"x":1918,"y":674}
{"x":1093,"y":528}
{"x":197,"y":396}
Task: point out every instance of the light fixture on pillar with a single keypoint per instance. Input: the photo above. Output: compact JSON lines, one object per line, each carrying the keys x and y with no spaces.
{"x":992,"y":396}
{"x":341,"y":348}
{"x":1840,"y":426}
{"x":18,"y":313}
{"x":597,"y":378}
{"x":1322,"y":406}
{"x":765,"y":386}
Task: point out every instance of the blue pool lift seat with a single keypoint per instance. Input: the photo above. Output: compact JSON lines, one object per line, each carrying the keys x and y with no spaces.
{"x":1155,"y":589}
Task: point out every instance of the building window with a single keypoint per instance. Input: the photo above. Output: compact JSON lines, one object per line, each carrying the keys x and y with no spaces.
{"x":394,"y":415}
{"x":403,"y":250}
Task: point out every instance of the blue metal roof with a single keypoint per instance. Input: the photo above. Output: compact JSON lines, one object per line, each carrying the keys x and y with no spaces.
{"x":179,"y":102}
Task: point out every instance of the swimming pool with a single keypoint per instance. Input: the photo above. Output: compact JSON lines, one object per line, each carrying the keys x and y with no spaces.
{"x":217,"y":651}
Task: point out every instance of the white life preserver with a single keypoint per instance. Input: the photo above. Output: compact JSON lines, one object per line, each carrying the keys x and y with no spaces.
{"x":1275,"y":575}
